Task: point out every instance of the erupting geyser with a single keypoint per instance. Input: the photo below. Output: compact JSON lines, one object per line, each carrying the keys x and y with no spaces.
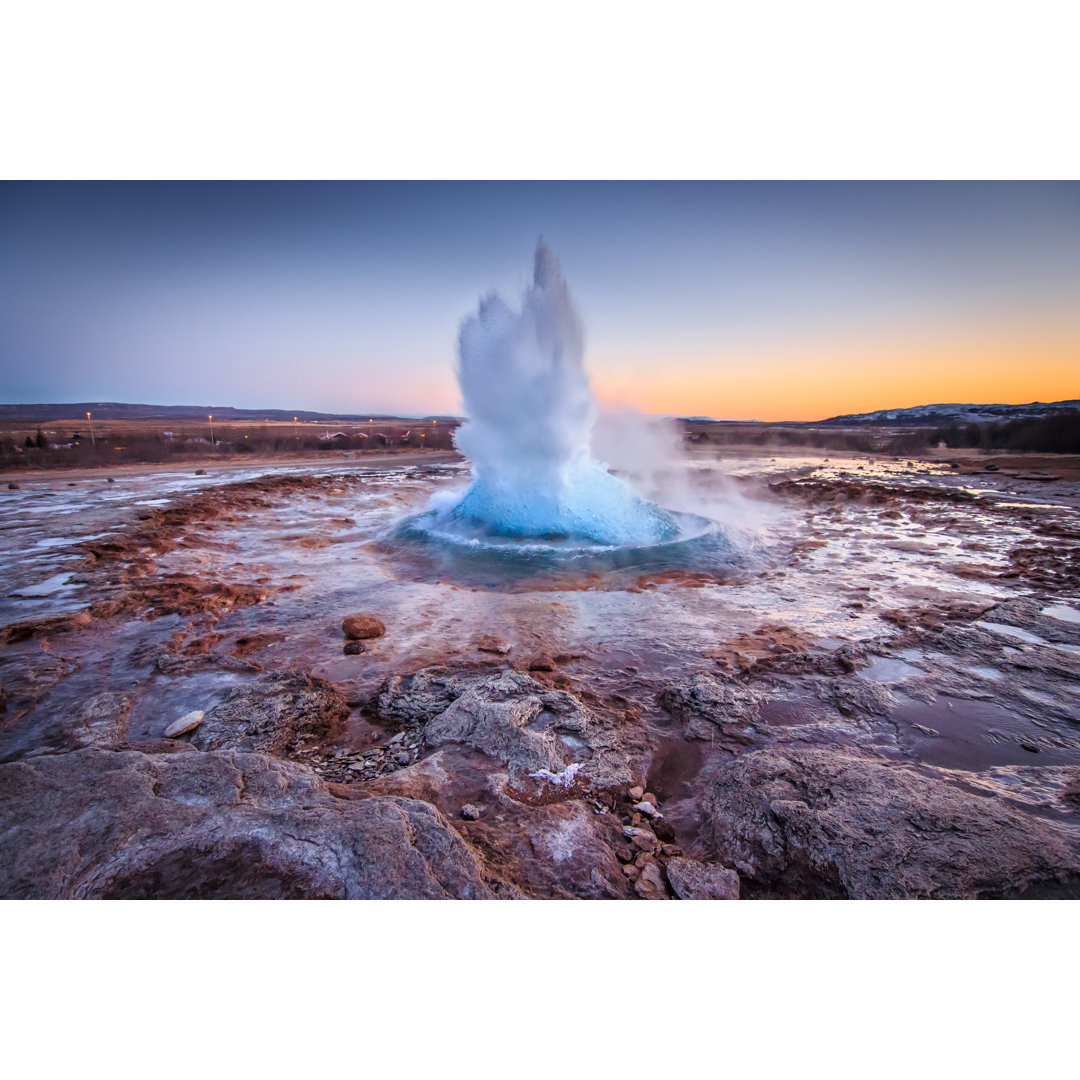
{"x":531,"y":413}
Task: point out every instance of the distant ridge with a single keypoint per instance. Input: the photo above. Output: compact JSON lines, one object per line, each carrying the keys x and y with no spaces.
{"x":115,"y":410}
{"x":943,"y":415}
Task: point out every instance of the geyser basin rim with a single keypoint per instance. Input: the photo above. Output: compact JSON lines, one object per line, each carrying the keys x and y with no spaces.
{"x":431,"y":525}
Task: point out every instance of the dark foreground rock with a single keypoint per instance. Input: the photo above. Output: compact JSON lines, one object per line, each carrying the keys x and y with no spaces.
{"x":273,"y":714}
{"x":833,"y":823}
{"x":225,"y":825}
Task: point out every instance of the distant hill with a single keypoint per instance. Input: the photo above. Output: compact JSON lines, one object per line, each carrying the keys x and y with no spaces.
{"x":114,"y":410}
{"x":943,"y":415}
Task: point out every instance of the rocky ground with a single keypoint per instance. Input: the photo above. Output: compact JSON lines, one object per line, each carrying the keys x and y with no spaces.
{"x":234,"y":692}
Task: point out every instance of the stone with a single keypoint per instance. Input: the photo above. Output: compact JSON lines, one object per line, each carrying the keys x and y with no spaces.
{"x":470,"y":812}
{"x":647,"y":809}
{"x":642,"y":839}
{"x":361,"y":627}
{"x":693,"y":880}
{"x":273,"y":713}
{"x":825,"y":823}
{"x":353,"y":648}
{"x":542,"y":663}
{"x":188,"y":722}
{"x":216,"y":825}
{"x":200,"y":472}
{"x":636,"y":793}
{"x":650,"y":885}
{"x":663,"y":830}
{"x":489,"y":643}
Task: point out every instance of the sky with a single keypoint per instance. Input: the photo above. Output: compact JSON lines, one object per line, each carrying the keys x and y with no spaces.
{"x":734,"y":300}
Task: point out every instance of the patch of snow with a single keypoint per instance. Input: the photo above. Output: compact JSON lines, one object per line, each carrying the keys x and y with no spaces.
{"x":49,"y":587}
{"x":1062,"y":612}
{"x":562,"y":779}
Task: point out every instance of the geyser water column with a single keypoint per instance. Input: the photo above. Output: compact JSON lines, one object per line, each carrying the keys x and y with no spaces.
{"x":530,"y":414}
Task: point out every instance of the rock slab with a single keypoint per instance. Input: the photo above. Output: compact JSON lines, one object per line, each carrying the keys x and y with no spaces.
{"x":837,"y":823}
{"x":216,"y":825}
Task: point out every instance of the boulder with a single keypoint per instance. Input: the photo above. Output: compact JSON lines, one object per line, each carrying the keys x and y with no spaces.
{"x":272,"y":714}
{"x":649,"y":884}
{"x":693,"y":880}
{"x":514,"y":720}
{"x":216,"y":825}
{"x":838,"y":823}
{"x":709,"y":707}
{"x":410,"y":701}
{"x":361,"y":627}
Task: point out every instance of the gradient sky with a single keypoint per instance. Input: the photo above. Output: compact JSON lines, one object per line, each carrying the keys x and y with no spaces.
{"x":734,"y":300}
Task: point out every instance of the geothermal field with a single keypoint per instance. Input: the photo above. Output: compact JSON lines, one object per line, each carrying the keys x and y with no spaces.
{"x":579,"y":659}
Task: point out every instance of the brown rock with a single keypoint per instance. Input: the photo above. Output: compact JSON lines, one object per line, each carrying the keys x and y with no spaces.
{"x":490,"y":644}
{"x":642,"y":839}
{"x":558,"y":851}
{"x":693,"y":880}
{"x":362,"y":627}
{"x":650,"y":885}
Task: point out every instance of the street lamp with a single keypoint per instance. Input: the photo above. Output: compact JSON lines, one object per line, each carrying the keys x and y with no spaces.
{"x":212,"y":443}
{"x":295,"y":431}
{"x":91,"y":423}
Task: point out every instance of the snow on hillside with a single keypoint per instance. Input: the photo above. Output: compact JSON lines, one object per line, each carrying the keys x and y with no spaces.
{"x":955,"y":413}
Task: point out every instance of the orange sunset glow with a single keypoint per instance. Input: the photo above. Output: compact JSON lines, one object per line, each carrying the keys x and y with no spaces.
{"x":816,"y":381}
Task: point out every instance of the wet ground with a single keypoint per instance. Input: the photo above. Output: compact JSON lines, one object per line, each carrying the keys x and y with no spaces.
{"x":897,"y":607}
